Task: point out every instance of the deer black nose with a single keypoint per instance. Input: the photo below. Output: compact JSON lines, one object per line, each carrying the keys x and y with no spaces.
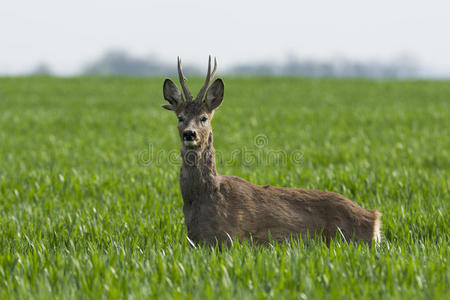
{"x":189,"y":135}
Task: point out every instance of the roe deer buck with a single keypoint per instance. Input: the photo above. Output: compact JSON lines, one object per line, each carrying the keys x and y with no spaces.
{"x":219,"y":208}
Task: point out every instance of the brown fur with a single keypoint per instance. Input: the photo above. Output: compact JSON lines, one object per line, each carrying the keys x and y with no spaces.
{"x":218,"y":207}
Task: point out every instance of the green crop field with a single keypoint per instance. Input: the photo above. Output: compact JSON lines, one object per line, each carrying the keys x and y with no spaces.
{"x":90,"y":205}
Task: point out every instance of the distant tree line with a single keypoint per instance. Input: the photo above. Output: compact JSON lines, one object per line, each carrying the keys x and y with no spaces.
{"x":402,"y":67}
{"x":119,"y":62}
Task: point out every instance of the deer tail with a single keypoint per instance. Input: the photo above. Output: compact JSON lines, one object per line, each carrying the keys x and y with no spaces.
{"x":376,"y":235}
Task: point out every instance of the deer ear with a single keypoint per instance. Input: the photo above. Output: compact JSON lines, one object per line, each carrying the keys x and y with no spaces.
{"x":172,"y":94}
{"x":214,"y":95}
{"x":169,"y":107}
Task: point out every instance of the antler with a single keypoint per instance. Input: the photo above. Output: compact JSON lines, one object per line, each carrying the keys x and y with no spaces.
{"x":187,"y":94}
{"x":209,"y":77}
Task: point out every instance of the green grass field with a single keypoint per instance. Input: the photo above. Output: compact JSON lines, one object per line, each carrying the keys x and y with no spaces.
{"x":90,"y":204}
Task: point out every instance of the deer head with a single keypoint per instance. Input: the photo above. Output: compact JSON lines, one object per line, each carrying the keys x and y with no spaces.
{"x":194,"y":115}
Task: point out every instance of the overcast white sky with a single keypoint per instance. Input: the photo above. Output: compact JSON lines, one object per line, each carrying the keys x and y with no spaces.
{"x":66,"y":34}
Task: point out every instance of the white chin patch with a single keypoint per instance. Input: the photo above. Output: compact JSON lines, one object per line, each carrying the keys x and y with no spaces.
{"x":190,"y":143}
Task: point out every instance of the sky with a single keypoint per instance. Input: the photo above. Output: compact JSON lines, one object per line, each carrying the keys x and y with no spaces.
{"x":67,"y":34}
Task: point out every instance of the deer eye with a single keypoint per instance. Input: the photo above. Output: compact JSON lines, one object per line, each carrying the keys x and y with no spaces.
{"x":203,"y":119}
{"x":180,"y":119}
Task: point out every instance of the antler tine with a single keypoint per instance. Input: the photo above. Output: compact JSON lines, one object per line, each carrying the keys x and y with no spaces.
{"x":187,"y":94}
{"x":209,"y":77}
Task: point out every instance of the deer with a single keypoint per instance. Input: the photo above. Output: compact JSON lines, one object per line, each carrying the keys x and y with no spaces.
{"x":219,"y":209}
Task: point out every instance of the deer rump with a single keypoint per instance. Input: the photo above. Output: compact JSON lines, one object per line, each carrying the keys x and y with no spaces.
{"x":239,"y":209}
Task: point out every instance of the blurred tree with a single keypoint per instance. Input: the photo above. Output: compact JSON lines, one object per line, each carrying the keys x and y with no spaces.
{"x":41,"y":69}
{"x":119,"y":62}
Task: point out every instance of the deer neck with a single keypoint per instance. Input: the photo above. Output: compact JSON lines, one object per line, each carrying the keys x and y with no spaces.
{"x":198,"y":171}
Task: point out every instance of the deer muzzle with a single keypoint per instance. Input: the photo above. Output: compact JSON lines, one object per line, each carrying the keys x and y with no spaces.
{"x":190,"y":138}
